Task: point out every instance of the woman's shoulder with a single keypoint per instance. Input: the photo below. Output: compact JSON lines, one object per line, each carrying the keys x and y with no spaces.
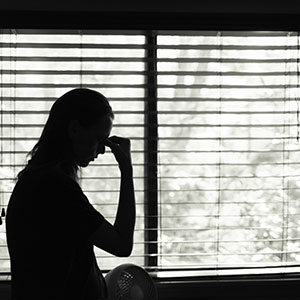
{"x":49,"y":175}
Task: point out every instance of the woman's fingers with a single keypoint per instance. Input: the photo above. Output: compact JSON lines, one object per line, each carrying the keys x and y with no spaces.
{"x":115,"y":142}
{"x":121,"y":149}
{"x":110,"y":144}
{"x":115,"y":139}
{"x":119,"y":140}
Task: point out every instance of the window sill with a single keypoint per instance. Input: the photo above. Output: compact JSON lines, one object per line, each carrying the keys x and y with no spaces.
{"x":246,"y":287}
{"x":254,"y":287}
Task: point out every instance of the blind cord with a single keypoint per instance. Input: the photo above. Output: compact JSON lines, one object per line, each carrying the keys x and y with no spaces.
{"x":1,"y":97}
{"x":284,"y":154}
{"x":81,"y":60}
{"x":2,"y":134}
{"x":219,"y":165}
{"x":298,"y":86}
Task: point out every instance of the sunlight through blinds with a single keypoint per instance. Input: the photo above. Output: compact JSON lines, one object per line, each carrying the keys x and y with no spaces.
{"x":228,"y":151}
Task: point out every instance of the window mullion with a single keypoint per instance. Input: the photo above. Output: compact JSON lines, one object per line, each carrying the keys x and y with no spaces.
{"x":151,"y":141}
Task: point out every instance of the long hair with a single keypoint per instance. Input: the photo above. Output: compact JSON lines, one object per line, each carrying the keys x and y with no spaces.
{"x":54,"y":147}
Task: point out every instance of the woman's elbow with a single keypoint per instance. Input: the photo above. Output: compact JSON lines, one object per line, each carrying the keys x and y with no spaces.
{"x":124,"y":254}
{"x":125,"y":250}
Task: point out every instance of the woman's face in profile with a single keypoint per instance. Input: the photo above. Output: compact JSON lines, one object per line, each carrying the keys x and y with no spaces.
{"x":89,"y":142}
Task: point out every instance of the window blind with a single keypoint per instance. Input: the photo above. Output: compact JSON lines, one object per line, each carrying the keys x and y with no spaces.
{"x":213,"y":118}
{"x":228,"y":120}
{"x":39,"y":66}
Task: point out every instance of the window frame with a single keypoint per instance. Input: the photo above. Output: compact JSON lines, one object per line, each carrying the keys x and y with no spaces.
{"x":130,"y":20}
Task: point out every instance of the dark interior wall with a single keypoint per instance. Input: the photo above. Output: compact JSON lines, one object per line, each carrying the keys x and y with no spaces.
{"x":199,"y":6}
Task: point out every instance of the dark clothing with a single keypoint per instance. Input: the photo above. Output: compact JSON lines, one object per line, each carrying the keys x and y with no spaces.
{"x":48,"y":223}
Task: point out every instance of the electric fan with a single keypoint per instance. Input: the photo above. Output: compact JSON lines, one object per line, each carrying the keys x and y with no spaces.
{"x":130,"y":282}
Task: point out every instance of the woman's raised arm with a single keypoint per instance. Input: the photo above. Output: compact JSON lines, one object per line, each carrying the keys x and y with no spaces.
{"x":117,"y":239}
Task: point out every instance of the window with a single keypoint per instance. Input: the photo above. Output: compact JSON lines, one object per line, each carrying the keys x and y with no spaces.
{"x":214,"y":123}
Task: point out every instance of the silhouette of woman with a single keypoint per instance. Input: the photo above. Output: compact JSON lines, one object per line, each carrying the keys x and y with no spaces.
{"x":51,"y":226}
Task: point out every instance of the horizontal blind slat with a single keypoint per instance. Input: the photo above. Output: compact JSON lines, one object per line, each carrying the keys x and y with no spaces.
{"x":133,"y":72}
{"x":161,"y":99}
{"x":71,"y":59}
{"x":134,"y":59}
{"x":71,"y":45}
{"x":14,"y":44}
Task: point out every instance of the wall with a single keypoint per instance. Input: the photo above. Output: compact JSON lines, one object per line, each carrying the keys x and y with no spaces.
{"x":209,"y":6}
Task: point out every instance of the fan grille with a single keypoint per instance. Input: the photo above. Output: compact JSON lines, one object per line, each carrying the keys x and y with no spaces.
{"x":130,"y":282}
{"x":123,"y":285}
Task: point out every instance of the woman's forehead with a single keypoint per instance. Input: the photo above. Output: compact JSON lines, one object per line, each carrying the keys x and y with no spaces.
{"x":104,"y":125}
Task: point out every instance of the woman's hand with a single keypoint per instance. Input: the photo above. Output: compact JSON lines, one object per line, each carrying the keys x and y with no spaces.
{"x":120,"y":147}
{"x":117,"y":239}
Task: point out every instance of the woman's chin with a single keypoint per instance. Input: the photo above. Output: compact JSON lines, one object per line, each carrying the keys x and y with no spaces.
{"x":83,"y":163}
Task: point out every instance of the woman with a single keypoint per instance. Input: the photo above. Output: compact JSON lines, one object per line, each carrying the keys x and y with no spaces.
{"x":51,"y":227}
